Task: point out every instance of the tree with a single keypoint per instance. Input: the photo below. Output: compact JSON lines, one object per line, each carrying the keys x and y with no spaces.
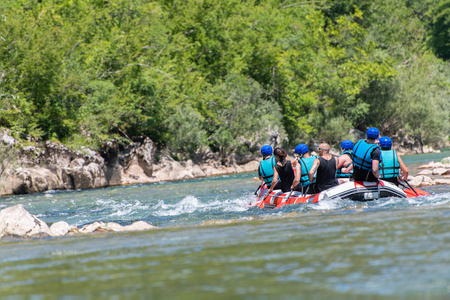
{"x":439,"y":34}
{"x":324,"y":79}
{"x":424,"y":101}
{"x":221,"y":74}
{"x":241,"y":116}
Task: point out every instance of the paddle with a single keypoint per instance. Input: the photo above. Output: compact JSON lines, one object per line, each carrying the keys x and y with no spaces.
{"x":405,"y":181}
{"x":259,"y":187}
{"x":287,"y":198}
{"x":265,"y":196}
{"x":267,"y":186}
{"x":378,"y":187}
{"x":403,"y":185}
{"x":306,"y":192}
{"x":410,"y":192}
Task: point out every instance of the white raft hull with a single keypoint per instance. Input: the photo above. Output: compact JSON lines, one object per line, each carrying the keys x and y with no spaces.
{"x":354,"y":190}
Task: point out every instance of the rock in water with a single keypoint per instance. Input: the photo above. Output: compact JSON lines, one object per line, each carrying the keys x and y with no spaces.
{"x":17,"y":221}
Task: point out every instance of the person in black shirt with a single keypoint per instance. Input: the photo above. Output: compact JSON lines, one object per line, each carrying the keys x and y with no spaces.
{"x":326,"y":169}
{"x":284,"y":170}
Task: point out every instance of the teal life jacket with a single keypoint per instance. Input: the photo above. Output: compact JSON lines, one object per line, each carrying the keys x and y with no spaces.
{"x":390,"y":167}
{"x":306,"y":164}
{"x":339,"y":173}
{"x":361,"y":155}
{"x":266,"y":169}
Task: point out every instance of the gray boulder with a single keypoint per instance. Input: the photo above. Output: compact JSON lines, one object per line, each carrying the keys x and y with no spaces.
{"x":145,"y":154}
{"x":43,"y":179}
{"x":60,"y":228}
{"x":17,"y":221}
{"x":34,"y":180}
{"x":88,"y":177}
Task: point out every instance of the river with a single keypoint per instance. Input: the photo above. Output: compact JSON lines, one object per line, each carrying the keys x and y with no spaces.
{"x":213,"y":244}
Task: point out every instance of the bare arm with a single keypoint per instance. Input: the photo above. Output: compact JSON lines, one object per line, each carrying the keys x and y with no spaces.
{"x":403,"y":168}
{"x":340,"y":162}
{"x":274,"y":180}
{"x":375,"y":168}
{"x":298,"y":171}
{"x":313,"y":169}
{"x":345,"y":161}
{"x":348,"y":169}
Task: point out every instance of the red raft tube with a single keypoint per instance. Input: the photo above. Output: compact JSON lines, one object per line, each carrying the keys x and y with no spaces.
{"x":353,"y":190}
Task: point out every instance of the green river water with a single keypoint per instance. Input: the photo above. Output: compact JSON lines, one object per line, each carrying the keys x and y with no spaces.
{"x":213,"y":244}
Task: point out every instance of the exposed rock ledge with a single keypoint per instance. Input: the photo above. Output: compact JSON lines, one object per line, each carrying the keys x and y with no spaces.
{"x":55,"y":167}
{"x":16,"y":221}
{"x":432,"y":173}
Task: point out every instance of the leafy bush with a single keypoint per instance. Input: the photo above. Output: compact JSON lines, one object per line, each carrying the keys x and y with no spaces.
{"x":220,"y":74}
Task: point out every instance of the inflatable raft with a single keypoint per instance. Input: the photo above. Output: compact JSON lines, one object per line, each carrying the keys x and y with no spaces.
{"x":354,"y":190}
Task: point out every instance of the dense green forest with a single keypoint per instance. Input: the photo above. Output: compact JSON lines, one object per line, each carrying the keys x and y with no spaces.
{"x":223,"y":74}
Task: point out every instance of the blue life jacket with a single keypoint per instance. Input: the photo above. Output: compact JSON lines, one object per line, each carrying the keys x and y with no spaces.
{"x":339,"y":173}
{"x":361,"y":155}
{"x":390,"y":167}
{"x":306,"y":164}
{"x":266,"y":169}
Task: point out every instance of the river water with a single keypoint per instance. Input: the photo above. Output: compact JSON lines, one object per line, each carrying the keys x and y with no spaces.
{"x":213,"y":244}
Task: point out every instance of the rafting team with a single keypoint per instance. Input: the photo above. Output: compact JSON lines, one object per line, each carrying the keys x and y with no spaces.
{"x":368,"y":160}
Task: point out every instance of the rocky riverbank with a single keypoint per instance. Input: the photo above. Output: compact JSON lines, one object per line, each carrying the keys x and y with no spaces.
{"x":52,"y":166}
{"x":16,"y":221}
{"x":86,"y":169}
{"x":432,"y":173}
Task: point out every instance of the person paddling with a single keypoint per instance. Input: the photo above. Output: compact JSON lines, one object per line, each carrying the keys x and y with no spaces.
{"x":344,"y":170}
{"x":326,"y":166}
{"x":284,"y":170}
{"x":306,"y":161}
{"x":392,"y":163}
{"x":366,"y":157}
{"x":265,"y":170}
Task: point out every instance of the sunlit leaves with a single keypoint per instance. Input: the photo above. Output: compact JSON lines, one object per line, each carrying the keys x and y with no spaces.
{"x":439,"y":36}
{"x":212,"y":73}
{"x":424,"y":101}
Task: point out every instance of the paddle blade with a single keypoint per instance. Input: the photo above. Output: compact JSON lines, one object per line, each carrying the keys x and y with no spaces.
{"x":260,"y":204}
{"x":410,"y":193}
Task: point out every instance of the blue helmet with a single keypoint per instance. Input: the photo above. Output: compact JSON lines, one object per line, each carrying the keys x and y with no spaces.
{"x":373,"y":133}
{"x":301,"y":149}
{"x":385,"y":142}
{"x":266,"y":150}
{"x":347,"y":145}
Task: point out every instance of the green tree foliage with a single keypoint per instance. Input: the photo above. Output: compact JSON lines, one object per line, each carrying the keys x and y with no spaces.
{"x":241,"y":113}
{"x":327,"y":77}
{"x":424,"y":100}
{"x":439,"y":36}
{"x":80,"y":65}
{"x":220,"y":73}
{"x":186,"y":132}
